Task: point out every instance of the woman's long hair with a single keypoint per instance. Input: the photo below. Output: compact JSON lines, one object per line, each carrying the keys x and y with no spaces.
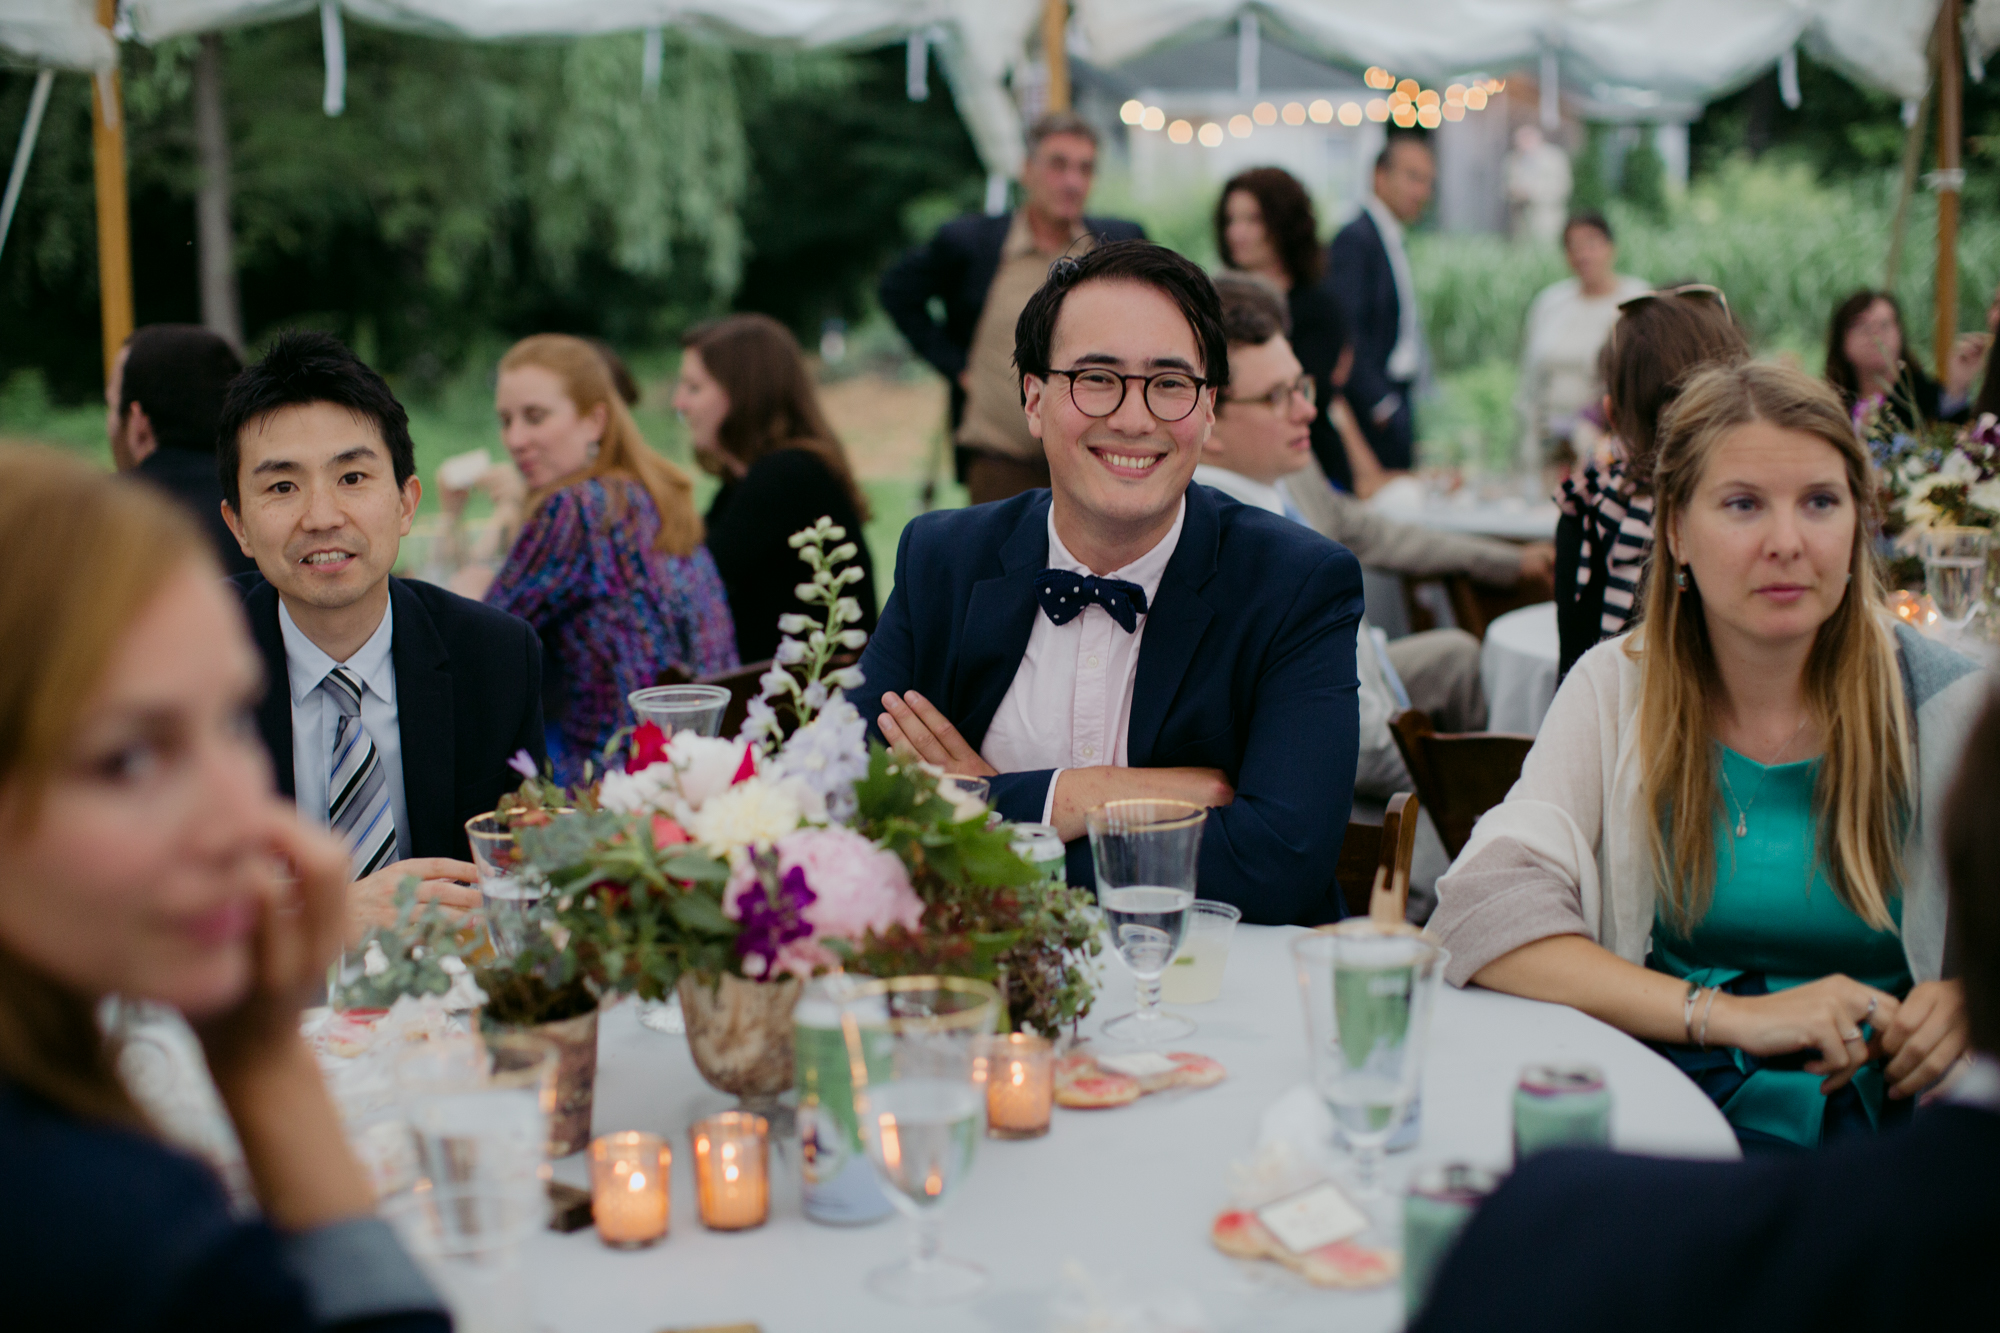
{"x":1289,"y":222}
{"x":1840,"y":371}
{"x":1862,"y":801}
{"x":773,"y":404}
{"x":622,"y":452}
{"x":1657,"y":344}
{"x":85,"y":553}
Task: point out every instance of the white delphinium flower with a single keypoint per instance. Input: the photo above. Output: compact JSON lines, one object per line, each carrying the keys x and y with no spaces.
{"x":828,"y":756}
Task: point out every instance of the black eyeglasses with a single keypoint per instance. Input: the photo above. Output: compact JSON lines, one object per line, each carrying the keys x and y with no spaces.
{"x":1279,"y":396}
{"x":1170,"y":395}
{"x":1699,"y":291}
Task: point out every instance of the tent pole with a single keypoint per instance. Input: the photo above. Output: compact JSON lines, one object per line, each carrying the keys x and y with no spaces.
{"x":31,"y":128}
{"x":1055,"y":51}
{"x":114,"y":223}
{"x":1949,"y":179}
{"x":216,"y":241}
{"x":1913,"y":152}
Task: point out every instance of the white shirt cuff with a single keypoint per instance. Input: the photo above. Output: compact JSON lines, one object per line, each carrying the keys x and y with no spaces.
{"x":1049,"y":801}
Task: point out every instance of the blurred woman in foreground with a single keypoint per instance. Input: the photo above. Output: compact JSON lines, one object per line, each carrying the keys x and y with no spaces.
{"x":144,"y":853}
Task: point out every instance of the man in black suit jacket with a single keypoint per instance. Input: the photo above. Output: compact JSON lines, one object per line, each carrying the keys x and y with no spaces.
{"x":1126,"y":634}
{"x":1886,"y":1233}
{"x":394,"y":707}
{"x":983,"y":269}
{"x":1369,"y":274}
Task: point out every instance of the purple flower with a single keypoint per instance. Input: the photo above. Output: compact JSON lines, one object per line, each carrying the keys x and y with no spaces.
{"x":772,"y":917}
{"x":523,"y":764}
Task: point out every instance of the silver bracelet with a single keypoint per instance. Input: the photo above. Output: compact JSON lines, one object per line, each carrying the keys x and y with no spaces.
{"x":1687,"y":1011}
{"x":1706,"y":1011}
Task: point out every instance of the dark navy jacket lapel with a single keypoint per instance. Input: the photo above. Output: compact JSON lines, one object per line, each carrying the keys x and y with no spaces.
{"x":274,"y":712}
{"x":424,"y":719}
{"x":999,"y":617}
{"x":1174,"y":626}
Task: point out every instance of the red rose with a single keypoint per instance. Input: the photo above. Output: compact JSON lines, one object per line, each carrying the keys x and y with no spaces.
{"x":666,"y":832}
{"x":748,"y":768}
{"x":649,"y":746}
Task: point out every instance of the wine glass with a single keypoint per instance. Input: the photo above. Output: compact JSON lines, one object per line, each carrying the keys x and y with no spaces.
{"x":1146,"y":853}
{"x":1955,"y":572}
{"x":1368,"y":990}
{"x":913,"y":1047}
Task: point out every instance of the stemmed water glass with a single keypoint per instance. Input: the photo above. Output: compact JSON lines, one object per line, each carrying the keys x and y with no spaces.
{"x":1146,"y":854}
{"x":913,"y":1047}
{"x":1955,"y":572}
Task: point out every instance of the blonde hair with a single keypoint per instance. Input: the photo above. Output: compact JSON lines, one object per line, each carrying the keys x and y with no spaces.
{"x":85,"y":553}
{"x":622,"y":451}
{"x":1862,"y":800}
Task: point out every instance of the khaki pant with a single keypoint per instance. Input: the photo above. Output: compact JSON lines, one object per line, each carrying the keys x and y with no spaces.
{"x":990,"y":477}
{"x":1440,"y":669}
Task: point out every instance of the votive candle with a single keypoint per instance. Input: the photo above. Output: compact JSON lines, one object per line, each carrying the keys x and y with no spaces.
{"x":732,"y":1170}
{"x":629,"y":1173}
{"x":1020,"y":1086}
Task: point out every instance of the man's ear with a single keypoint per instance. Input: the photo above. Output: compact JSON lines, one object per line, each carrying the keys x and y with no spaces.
{"x":413,"y":494}
{"x":235,"y":522}
{"x":140,"y":441}
{"x":1034,"y":387}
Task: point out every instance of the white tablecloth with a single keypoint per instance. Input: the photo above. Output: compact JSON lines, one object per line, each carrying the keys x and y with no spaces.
{"x":1517,"y":667}
{"x":1513,"y":517}
{"x":1127,"y":1194}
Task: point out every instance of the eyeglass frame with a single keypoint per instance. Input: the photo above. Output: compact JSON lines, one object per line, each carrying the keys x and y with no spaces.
{"x":1685,"y":289}
{"x":1279,"y":396}
{"x":1125,"y":390}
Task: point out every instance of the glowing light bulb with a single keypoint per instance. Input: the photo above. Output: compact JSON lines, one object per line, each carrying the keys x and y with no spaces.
{"x":1154,"y":119}
{"x":1427,"y":116}
{"x":1321,"y":111}
{"x":1378,"y":110}
{"x":1240,"y":126}
{"x":1295,"y":113}
{"x":1211,"y":135}
{"x":1264,"y":114}
{"x":1405,"y":116}
{"x":1350,"y":113}
{"x":1132,"y":112}
{"x":1180,"y":131}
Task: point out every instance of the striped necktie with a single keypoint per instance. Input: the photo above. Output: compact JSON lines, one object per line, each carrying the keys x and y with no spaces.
{"x":357,"y":790}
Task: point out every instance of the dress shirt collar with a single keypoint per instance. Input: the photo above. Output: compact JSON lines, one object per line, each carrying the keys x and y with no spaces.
{"x":1386,"y":222}
{"x":1239,"y":487}
{"x":1146,"y":571}
{"x":1021,"y":236}
{"x":307,"y":665}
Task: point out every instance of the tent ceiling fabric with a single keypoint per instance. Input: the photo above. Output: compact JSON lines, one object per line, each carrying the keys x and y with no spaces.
{"x":60,"y":34}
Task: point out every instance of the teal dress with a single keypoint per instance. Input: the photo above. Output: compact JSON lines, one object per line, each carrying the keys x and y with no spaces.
{"x":1774,"y":923}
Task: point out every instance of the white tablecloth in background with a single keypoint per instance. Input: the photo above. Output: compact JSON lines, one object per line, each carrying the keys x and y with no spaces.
{"x":1517,"y":666}
{"x":1128,"y":1194}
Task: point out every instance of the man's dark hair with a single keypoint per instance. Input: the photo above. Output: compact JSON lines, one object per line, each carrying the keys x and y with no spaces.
{"x":1972,"y":869}
{"x":1591,"y":218}
{"x":1289,"y":221}
{"x":1051,"y":123}
{"x":1383,"y":158}
{"x":1155,"y":266}
{"x":177,"y":374}
{"x":301,"y":368}
{"x":1253,"y":312}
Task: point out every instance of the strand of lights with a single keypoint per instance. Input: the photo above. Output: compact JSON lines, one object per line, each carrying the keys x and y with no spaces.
{"x":1405,"y":102}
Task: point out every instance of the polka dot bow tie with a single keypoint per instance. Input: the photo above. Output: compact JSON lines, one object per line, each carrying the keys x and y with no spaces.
{"x":1064,"y":593}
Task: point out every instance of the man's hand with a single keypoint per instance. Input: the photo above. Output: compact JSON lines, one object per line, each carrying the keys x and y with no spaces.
{"x":1926,"y":1035}
{"x":1538,"y":563}
{"x":1968,"y":354}
{"x":1081,"y":790}
{"x":913,"y":726}
{"x":371,"y":901}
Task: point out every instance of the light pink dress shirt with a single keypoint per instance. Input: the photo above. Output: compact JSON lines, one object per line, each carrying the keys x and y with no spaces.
{"x":1071,"y":701}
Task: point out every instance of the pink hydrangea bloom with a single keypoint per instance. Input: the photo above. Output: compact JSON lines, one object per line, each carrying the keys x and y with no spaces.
{"x":857,"y":887}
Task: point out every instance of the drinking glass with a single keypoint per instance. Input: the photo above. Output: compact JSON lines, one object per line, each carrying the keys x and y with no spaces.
{"x":672,"y":708}
{"x":1368,"y":992}
{"x":1146,"y":852}
{"x":1955,"y":572}
{"x":512,"y":895}
{"x":1195,"y":976}
{"x":913,"y":1048}
{"x":468,"y":1240}
{"x":479,"y":1108}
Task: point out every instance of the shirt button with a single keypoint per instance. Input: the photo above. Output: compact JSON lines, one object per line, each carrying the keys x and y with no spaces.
{"x":1090,"y":661}
{"x":1090,"y":752}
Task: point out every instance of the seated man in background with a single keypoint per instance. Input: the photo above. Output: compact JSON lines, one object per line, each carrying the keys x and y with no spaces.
{"x":1888,"y":1232}
{"x":1126,"y":634}
{"x":164,"y":396}
{"x":393,"y":706}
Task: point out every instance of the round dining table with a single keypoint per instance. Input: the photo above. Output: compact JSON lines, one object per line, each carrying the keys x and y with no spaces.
{"x":1108,"y":1213}
{"x":1517,"y":668}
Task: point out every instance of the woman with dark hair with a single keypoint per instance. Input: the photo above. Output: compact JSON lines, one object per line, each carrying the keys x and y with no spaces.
{"x":1265,"y":226}
{"x":754,"y":417}
{"x":1867,"y":356}
{"x":1568,"y":325}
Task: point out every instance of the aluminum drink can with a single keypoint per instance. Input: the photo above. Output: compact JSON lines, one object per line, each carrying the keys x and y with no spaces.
{"x":1561,"y":1106}
{"x":839,"y":1185}
{"x":1042,"y":847}
{"x":1441,"y":1200}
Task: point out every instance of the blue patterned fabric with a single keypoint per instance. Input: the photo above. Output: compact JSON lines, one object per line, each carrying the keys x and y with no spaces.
{"x":1064,"y":593}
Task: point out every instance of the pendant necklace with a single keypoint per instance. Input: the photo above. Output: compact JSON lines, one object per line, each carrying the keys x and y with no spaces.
{"x":1743,"y":807}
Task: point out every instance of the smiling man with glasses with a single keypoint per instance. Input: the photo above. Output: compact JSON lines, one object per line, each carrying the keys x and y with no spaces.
{"x":1125,"y":633}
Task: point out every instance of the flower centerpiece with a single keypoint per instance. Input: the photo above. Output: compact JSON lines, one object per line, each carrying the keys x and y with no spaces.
{"x":1939,"y":476}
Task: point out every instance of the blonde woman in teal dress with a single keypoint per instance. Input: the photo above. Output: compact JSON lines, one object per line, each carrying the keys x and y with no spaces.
{"x":1718,"y":843}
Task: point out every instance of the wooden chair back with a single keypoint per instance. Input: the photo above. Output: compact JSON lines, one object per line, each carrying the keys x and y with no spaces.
{"x":1474,"y":605}
{"x":1458,"y":776}
{"x":1374,"y":868}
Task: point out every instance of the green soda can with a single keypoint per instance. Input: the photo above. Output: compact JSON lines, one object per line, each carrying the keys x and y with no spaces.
{"x":840,"y":1187}
{"x":1441,"y":1201}
{"x":1561,"y":1106}
{"x":1042,"y":847}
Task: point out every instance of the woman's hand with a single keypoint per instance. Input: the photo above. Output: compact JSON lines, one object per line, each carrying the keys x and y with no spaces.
{"x":1928,"y":1033}
{"x":1825,"y":1015}
{"x":913,"y":725}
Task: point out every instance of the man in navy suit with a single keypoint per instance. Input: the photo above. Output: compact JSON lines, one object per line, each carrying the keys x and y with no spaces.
{"x":1896,"y":1231}
{"x":1127,"y":634}
{"x":1369,"y":273}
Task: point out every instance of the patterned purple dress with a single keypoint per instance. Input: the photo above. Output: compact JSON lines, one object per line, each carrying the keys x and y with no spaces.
{"x":611,"y":610}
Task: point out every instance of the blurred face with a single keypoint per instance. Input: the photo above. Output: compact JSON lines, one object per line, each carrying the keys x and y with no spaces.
{"x":142,"y":869}
{"x":1243,"y":232}
{"x":321,"y":511}
{"x":1769,"y":535}
{"x":544,"y":434}
{"x":1058,"y":176}
{"x":1405,"y":182}
{"x":1590,"y":254}
{"x":1250,"y":438}
{"x":703,"y":405}
{"x":1127,"y":471}
{"x":1873,"y":343}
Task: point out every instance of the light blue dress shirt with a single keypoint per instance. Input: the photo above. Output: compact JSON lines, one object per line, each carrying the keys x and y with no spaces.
{"x":314,"y":717}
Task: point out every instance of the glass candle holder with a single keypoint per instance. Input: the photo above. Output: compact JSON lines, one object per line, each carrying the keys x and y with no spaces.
{"x":732,"y":1170}
{"x":1020,"y":1086}
{"x":629,"y":1172}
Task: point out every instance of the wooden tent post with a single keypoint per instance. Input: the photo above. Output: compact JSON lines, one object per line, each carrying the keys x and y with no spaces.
{"x":1950,"y":177}
{"x":1055,"y":51}
{"x":114,"y":225}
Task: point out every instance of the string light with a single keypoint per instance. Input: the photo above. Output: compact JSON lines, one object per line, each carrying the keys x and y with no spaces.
{"x":1295,"y":113}
{"x":1378,"y":110}
{"x":1405,"y":116}
{"x":1321,"y":112}
{"x":1427,"y":116}
{"x":1240,"y":126}
{"x":1405,"y":102}
{"x":1154,"y":119}
{"x":1211,"y":135}
{"x":1475,"y":99}
{"x":1132,"y":112}
{"x":1350,"y":113}
{"x":1180,"y":131}
{"x":1454,"y":111}
{"x":1264,"y":114}
{"x":1377,"y":77}
{"x":1408,"y":88}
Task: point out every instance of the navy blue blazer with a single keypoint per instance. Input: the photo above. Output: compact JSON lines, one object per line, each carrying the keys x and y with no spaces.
{"x":1364,"y":287}
{"x":1247,"y":666}
{"x":1891,"y":1232}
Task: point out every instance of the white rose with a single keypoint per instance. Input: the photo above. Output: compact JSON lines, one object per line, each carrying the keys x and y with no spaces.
{"x":373,"y":961}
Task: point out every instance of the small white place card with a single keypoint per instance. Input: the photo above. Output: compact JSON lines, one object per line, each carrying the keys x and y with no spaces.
{"x":1318,"y":1216}
{"x":1139,"y":1064}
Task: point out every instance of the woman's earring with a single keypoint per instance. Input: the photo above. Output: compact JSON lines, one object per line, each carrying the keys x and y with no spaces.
{"x":591,"y":452}
{"x":1681,"y":578}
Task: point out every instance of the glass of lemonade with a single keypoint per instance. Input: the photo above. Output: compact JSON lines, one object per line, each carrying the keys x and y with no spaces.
{"x":1195,"y":975}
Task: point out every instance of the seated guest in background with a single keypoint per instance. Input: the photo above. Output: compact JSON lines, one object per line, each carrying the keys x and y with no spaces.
{"x":754,"y":419}
{"x":146,"y":857}
{"x":1868,"y":356}
{"x":1719,"y":843}
{"x":1567,"y":327}
{"x":393,"y":705}
{"x":164,"y":395}
{"x":1890,"y":1233}
{"x":609,"y":567}
{"x":1604,"y":536}
{"x":1127,"y":634}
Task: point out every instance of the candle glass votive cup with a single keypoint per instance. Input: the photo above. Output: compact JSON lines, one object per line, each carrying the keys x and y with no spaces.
{"x":1020,"y":1085}
{"x":732,"y":1170}
{"x":630,"y":1201}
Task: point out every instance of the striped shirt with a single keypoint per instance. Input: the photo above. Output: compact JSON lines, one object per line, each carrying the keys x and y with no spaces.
{"x":1619,"y":521}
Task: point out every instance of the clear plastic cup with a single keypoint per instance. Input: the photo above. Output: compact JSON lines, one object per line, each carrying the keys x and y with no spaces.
{"x":672,"y":708}
{"x":468,"y":1239}
{"x":1195,"y":975}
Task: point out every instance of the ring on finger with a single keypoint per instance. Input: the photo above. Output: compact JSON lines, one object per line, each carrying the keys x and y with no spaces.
{"x":1851,"y":1036}
{"x":1869,"y":1012}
